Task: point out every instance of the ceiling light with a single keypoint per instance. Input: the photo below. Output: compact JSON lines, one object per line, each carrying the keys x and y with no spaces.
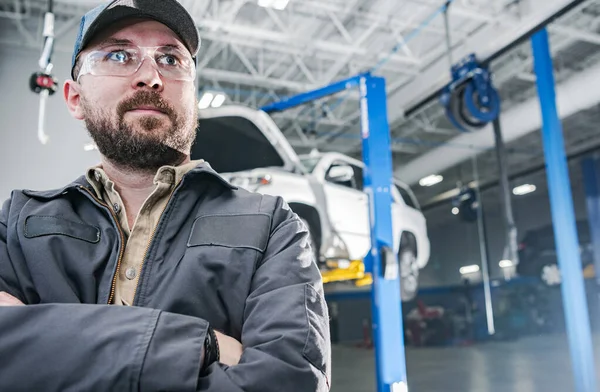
{"x":524,"y":189}
{"x":89,"y":147}
{"x":505,"y":263}
{"x":469,"y":269}
{"x":218,"y":101}
{"x":280,"y":4}
{"x":455,"y":211}
{"x":205,"y":101}
{"x":213,"y":99}
{"x":431,"y":180}
{"x":276,"y":4}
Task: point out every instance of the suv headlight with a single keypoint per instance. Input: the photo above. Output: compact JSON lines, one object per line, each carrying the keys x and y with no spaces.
{"x":250,"y":182}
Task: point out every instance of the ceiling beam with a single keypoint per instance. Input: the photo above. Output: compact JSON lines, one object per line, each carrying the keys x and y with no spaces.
{"x":288,"y":39}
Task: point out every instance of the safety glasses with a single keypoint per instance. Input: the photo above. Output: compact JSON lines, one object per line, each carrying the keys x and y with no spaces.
{"x":125,"y":60}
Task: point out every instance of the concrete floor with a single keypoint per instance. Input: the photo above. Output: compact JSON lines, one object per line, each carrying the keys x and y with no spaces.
{"x":534,"y":364}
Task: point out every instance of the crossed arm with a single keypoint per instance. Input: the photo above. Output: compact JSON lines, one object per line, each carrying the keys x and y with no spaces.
{"x":62,"y":347}
{"x":230,"y":350}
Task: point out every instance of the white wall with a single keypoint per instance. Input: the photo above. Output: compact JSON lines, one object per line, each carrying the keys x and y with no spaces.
{"x":25,"y":162}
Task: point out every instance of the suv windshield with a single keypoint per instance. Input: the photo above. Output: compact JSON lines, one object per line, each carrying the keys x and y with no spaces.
{"x":309,"y":162}
{"x":408,"y":197}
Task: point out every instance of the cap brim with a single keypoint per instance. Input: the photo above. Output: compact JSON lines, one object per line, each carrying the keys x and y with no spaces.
{"x":168,"y":12}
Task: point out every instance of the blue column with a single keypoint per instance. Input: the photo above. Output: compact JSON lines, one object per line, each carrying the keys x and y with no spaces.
{"x":383,"y":263}
{"x":591,"y":180}
{"x":563,"y":220}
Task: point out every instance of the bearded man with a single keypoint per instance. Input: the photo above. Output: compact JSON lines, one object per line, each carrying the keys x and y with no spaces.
{"x":151,"y":272}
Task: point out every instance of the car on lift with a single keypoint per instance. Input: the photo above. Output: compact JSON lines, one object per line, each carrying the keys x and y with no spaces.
{"x":324,"y":189}
{"x":537,"y":254}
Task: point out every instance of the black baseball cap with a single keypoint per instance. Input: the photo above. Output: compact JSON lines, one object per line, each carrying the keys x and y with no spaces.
{"x":168,"y":12}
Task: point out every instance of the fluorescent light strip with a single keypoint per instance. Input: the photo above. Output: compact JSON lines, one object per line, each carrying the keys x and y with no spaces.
{"x":218,"y":101}
{"x":469,"y":269}
{"x":89,"y":147}
{"x":205,"y":101}
{"x":280,"y":4}
{"x":275,"y":4}
{"x":505,"y":263}
{"x":431,"y":180}
{"x":524,"y":189}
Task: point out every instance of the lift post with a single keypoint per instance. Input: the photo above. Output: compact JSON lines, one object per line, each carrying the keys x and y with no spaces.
{"x":563,"y":221}
{"x":381,"y":261}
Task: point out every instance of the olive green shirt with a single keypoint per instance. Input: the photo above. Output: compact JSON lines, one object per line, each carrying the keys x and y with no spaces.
{"x":137,"y":238}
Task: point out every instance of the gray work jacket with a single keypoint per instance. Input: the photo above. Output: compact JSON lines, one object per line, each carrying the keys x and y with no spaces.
{"x":236,"y":260}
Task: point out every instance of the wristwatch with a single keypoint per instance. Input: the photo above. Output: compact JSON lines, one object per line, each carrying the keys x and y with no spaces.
{"x":211,"y":348}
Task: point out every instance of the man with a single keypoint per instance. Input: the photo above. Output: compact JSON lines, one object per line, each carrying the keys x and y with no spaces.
{"x":151,"y":272}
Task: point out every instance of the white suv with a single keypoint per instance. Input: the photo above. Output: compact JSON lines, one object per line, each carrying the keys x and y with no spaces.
{"x":324,"y":189}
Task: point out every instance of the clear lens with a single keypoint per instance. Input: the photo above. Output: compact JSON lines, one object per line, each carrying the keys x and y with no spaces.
{"x":114,"y":62}
{"x":171,"y":62}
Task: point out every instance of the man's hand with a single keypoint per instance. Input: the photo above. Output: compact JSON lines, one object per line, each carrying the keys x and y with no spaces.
{"x":8,"y":300}
{"x":230,"y":350}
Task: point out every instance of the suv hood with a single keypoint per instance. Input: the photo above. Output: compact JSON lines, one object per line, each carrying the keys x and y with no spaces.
{"x":237,"y":138}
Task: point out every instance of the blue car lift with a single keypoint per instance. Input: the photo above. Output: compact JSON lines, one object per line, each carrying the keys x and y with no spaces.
{"x":471,"y":102}
{"x":382,"y":261}
{"x":563,"y":221}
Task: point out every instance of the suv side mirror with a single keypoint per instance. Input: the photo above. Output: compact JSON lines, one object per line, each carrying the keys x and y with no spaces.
{"x":342,"y":173}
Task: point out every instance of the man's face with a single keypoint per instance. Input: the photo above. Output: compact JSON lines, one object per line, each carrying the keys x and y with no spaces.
{"x":142,"y":121}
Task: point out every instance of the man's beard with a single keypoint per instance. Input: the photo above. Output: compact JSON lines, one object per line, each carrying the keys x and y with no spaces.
{"x":145,"y":149}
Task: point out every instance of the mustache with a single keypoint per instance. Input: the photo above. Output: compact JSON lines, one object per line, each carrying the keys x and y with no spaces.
{"x":145,"y":98}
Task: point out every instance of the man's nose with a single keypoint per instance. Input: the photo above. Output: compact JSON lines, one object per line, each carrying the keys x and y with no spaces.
{"x":148,"y":76}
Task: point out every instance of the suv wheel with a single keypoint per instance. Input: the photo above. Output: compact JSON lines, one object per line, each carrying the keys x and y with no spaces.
{"x":409,"y":274}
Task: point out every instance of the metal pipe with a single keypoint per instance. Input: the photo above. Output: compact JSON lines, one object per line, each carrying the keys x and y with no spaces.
{"x":483,"y":251}
{"x":510,"y":246}
{"x":448,"y":38}
{"x":563,"y":220}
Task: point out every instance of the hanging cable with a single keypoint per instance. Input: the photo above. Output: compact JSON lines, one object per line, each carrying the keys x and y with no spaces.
{"x":487,"y":292}
{"x":42,"y":82}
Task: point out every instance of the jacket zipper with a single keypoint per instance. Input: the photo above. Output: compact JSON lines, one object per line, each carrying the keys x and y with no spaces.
{"x":121,"y":248}
{"x":137,"y":279}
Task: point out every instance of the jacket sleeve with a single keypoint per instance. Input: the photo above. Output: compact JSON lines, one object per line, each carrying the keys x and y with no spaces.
{"x":76,"y":347}
{"x":285,"y":333}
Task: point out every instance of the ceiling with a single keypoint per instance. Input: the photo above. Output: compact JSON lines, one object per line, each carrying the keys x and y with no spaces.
{"x":258,"y":55}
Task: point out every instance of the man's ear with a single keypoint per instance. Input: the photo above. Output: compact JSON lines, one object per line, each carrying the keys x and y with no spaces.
{"x":72,"y":94}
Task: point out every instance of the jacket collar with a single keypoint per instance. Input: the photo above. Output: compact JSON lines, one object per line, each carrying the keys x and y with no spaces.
{"x":51,"y":194}
{"x":203,"y":169}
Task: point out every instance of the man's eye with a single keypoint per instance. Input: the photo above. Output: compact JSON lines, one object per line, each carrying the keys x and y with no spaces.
{"x":119,"y":56}
{"x":168,"y":59}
